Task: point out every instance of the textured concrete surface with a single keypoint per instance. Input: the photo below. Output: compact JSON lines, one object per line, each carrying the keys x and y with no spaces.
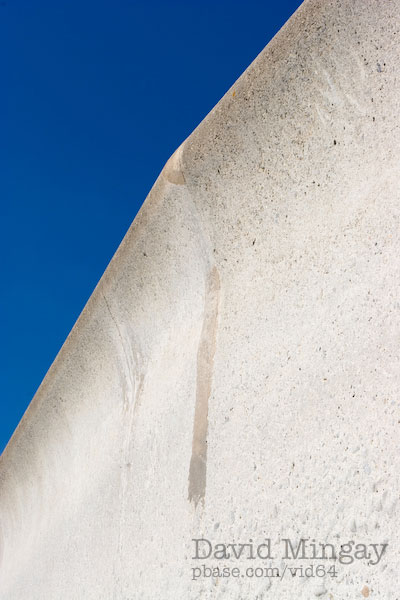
{"x":235,"y":374}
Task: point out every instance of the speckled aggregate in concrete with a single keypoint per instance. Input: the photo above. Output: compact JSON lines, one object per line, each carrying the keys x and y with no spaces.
{"x":235,"y":374}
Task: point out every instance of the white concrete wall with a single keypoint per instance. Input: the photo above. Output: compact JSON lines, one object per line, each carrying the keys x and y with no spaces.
{"x":235,"y":373}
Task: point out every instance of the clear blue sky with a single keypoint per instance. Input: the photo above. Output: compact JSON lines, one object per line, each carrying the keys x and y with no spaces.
{"x":94,"y":98}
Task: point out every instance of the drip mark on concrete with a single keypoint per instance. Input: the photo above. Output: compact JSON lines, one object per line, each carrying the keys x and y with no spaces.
{"x":173,"y":170}
{"x":205,"y":364}
{"x":128,"y":362}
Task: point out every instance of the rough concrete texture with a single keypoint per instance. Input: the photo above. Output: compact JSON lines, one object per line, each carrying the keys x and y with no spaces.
{"x":235,"y":374}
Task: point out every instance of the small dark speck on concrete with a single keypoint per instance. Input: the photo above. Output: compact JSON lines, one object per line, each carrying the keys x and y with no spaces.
{"x":144,"y":254}
{"x":254,"y":241}
{"x":334,"y":142}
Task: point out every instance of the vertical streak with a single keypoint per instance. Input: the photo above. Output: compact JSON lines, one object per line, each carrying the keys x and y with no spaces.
{"x":205,"y":364}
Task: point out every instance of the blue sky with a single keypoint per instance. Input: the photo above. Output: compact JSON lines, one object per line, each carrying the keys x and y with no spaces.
{"x":94,"y":98}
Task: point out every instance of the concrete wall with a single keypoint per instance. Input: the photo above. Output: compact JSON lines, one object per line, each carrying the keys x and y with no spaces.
{"x":235,"y":374}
